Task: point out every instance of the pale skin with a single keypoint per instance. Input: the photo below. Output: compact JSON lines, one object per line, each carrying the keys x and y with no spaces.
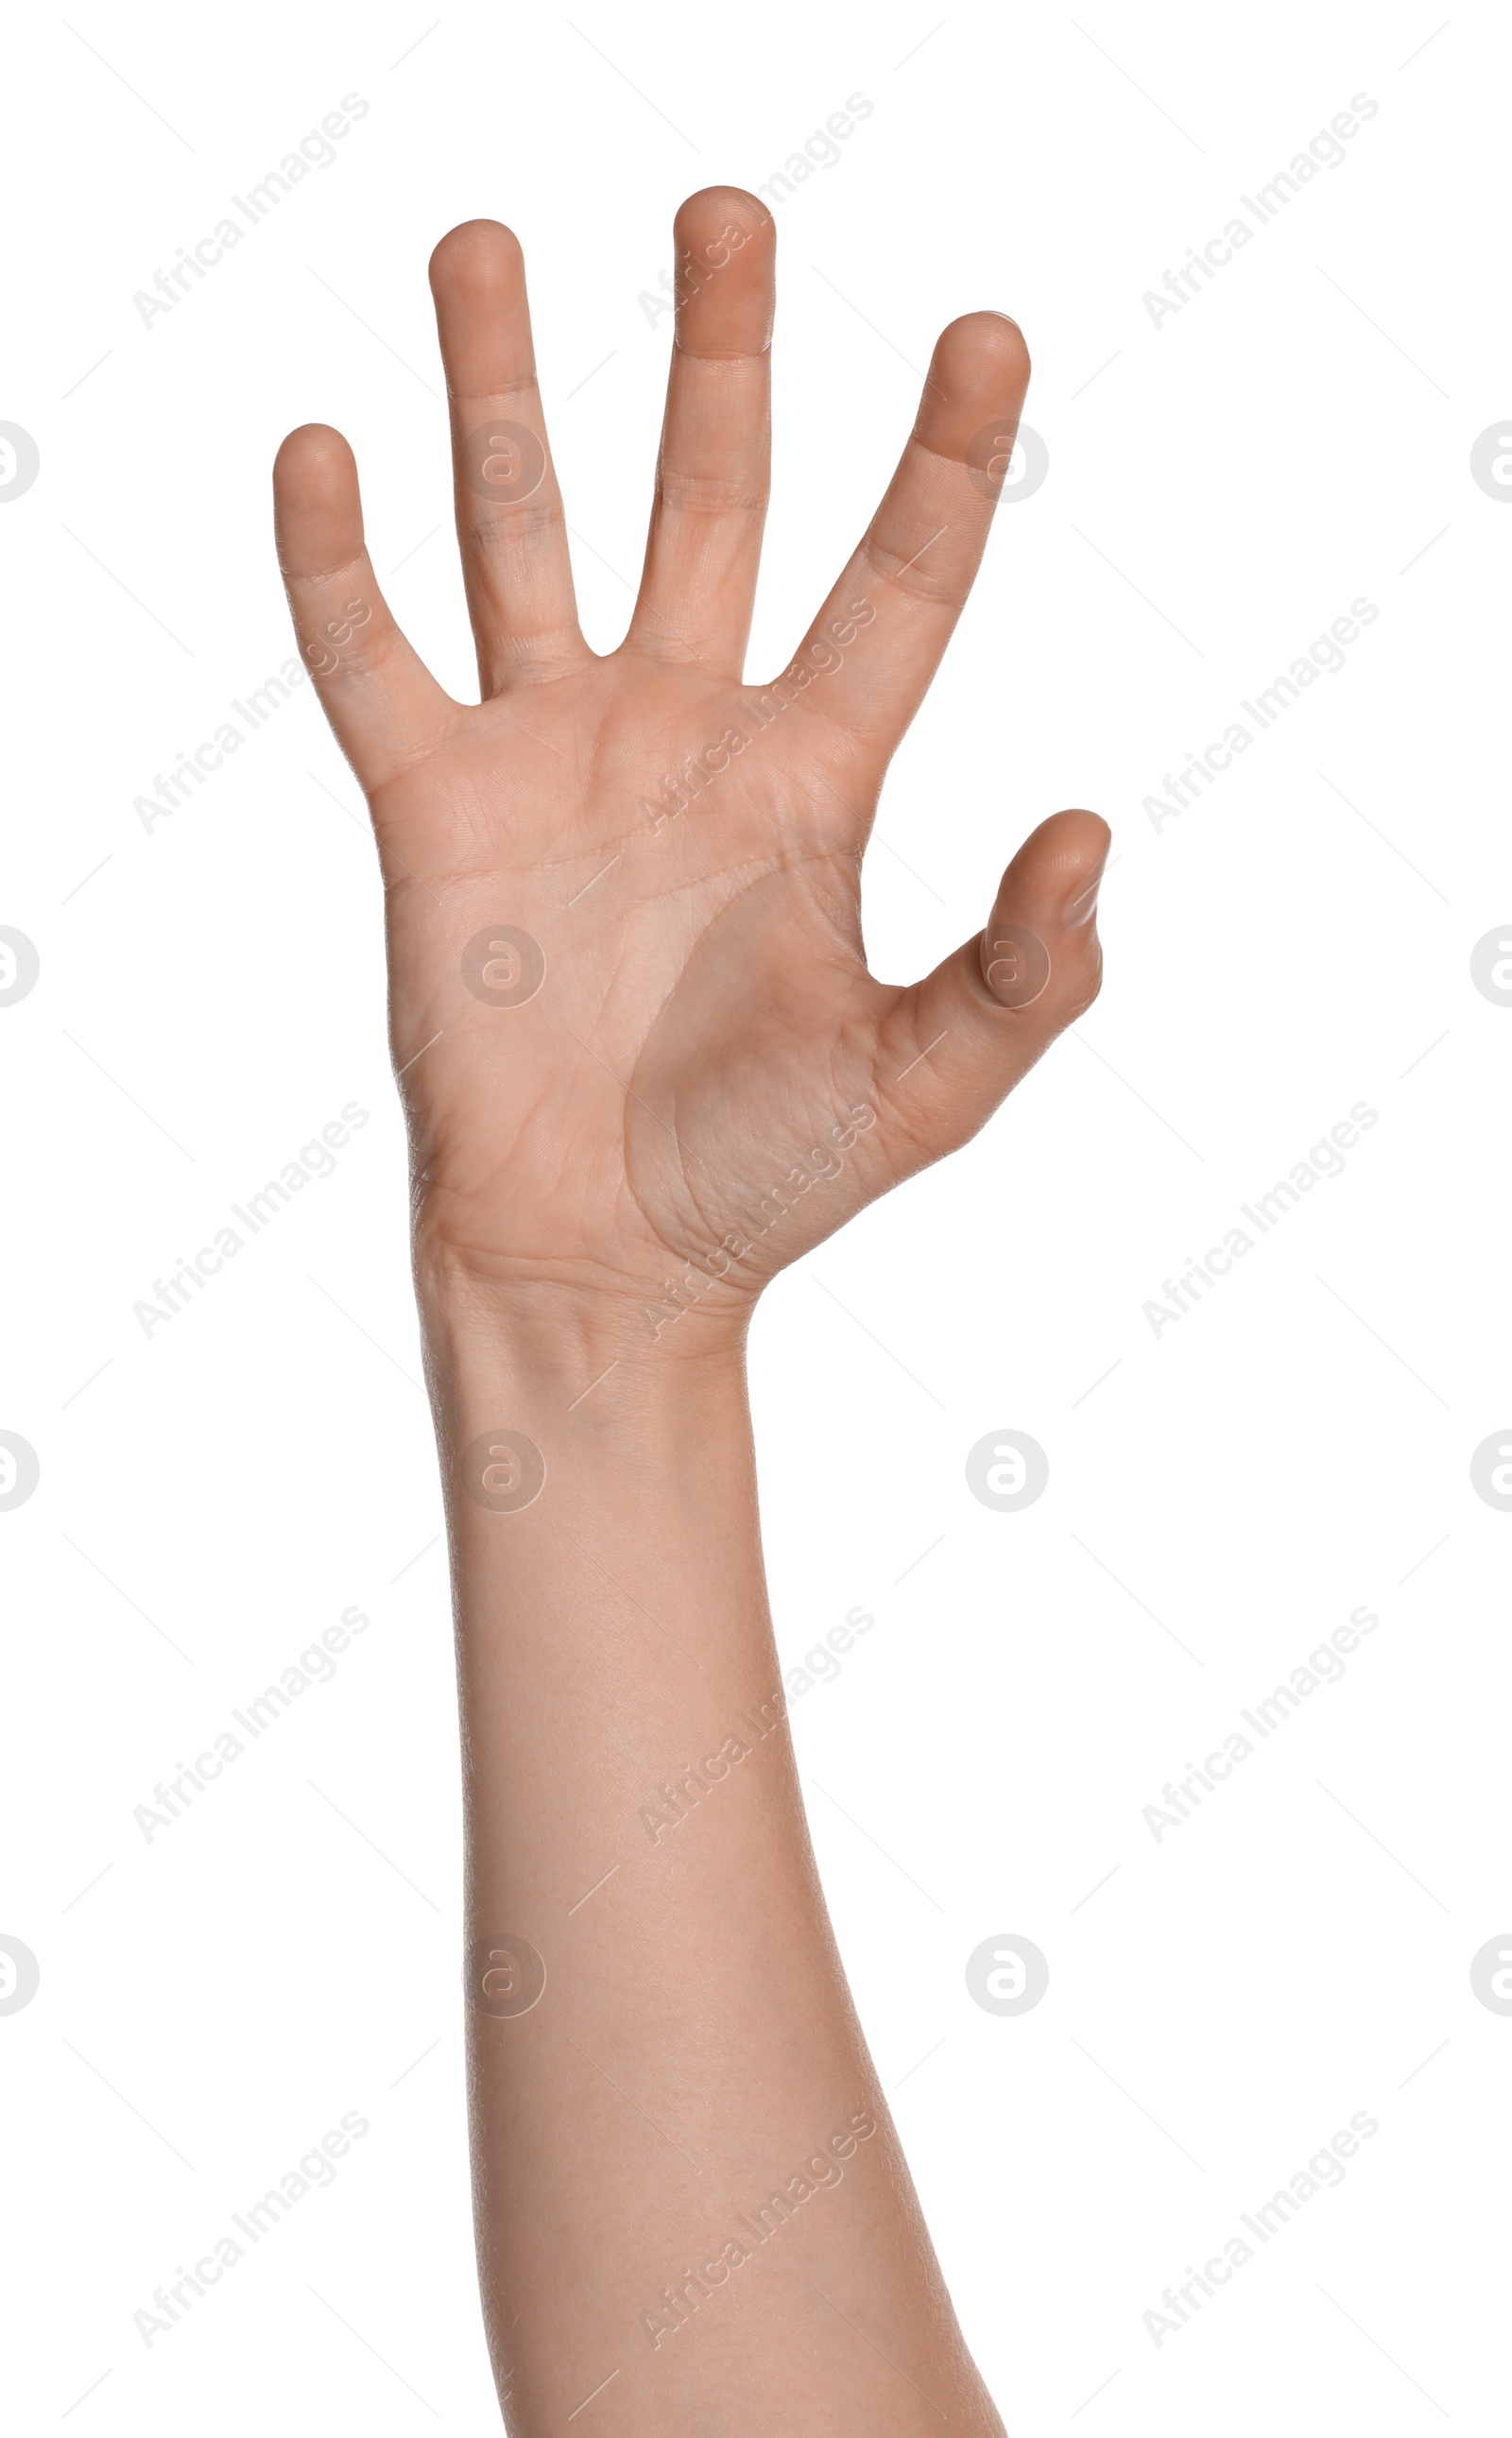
{"x":593,"y":1220}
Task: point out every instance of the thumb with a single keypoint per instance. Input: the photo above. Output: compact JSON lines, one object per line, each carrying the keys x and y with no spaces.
{"x":954,"y":1046}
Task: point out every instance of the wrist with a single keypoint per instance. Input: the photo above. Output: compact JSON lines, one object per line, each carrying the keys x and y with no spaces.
{"x":587,"y":1355}
{"x":553,"y":1403}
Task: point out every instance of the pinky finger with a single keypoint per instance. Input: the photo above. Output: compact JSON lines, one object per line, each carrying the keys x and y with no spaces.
{"x":386,"y":708}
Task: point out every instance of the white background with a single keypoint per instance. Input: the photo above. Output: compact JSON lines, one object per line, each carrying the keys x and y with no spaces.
{"x":1221,"y":487}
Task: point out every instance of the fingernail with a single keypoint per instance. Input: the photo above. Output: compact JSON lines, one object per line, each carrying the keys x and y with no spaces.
{"x":1080,"y":908}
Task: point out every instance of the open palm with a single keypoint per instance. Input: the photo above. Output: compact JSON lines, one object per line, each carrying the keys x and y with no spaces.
{"x":637,"y":1041}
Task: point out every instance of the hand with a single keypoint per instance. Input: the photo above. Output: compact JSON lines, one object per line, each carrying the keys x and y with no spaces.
{"x":640,"y":1053}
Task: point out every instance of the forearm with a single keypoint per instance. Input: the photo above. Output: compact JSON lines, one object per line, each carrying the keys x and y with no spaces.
{"x":633,"y":1813}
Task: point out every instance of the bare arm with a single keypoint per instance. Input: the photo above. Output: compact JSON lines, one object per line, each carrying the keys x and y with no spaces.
{"x":645,"y":1067}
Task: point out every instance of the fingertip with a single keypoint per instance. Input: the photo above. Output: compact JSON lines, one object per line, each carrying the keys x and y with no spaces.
{"x":974,"y":394}
{"x":478,"y":263}
{"x":314,"y":453}
{"x":1065,"y":851}
{"x":1084,"y":839}
{"x":1077,"y":832}
{"x":726,"y":242}
{"x":703,"y":215}
{"x":1044,"y":911}
{"x":984,"y":346}
{"x":317,"y":502}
